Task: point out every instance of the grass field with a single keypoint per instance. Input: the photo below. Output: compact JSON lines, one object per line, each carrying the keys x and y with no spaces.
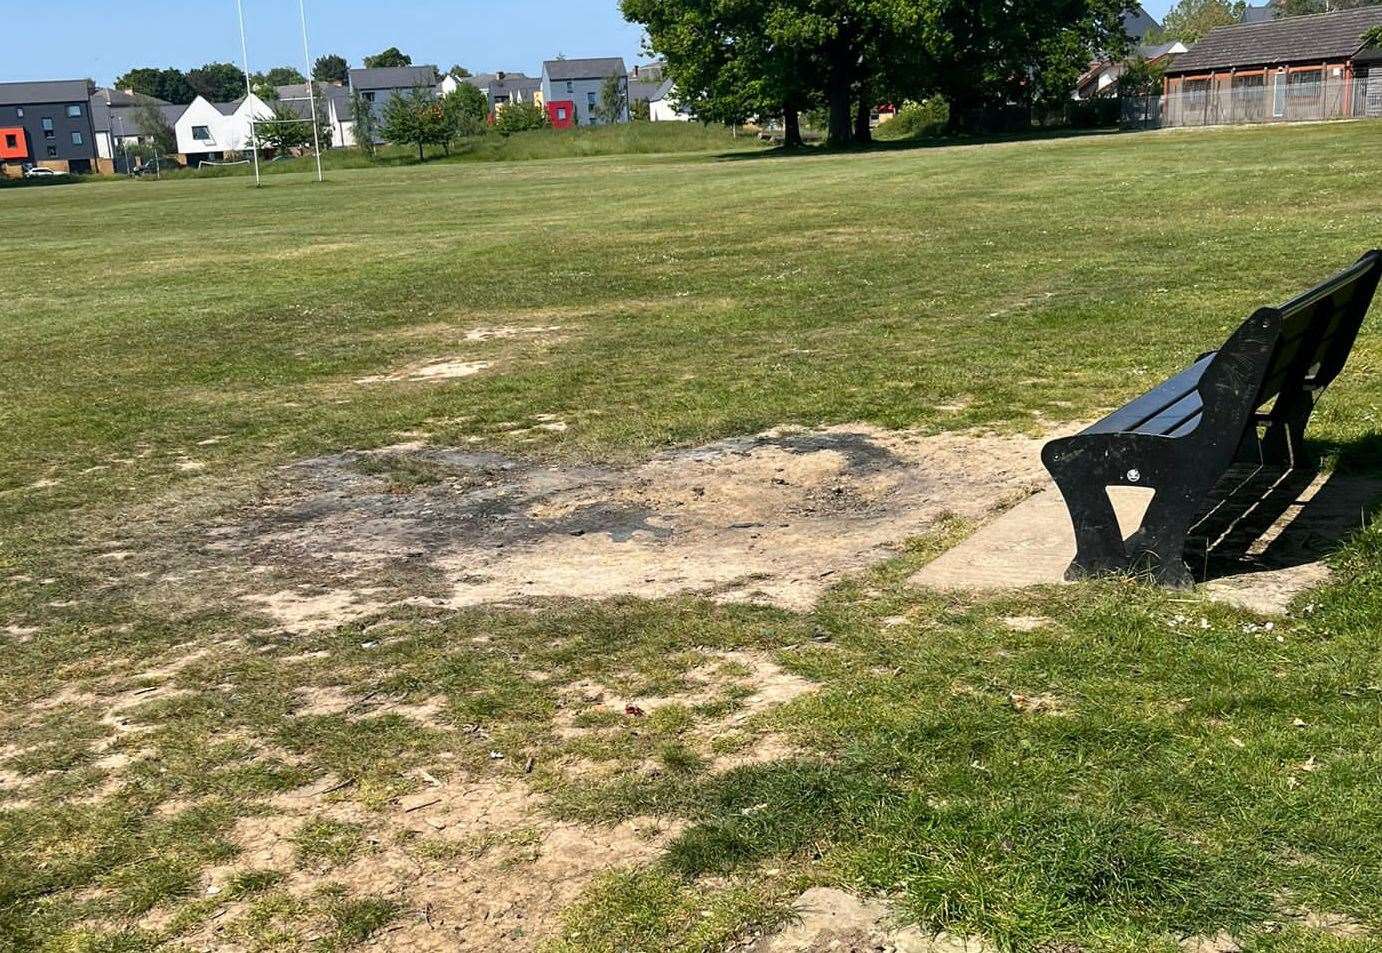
{"x":170,"y":347}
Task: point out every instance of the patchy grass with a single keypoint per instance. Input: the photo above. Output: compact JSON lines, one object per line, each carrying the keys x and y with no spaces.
{"x":1185,"y":770}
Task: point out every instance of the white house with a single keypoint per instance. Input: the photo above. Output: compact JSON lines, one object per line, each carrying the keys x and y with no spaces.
{"x":662,"y":107}
{"x":207,"y":131}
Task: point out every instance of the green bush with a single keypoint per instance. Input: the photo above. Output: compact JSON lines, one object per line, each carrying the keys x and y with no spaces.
{"x":519,"y":117}
{"x":923,"y":120}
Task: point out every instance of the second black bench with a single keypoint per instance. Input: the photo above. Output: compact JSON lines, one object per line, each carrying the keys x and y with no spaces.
{"x":1248,"y":402}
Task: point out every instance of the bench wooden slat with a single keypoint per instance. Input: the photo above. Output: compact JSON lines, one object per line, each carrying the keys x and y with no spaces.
{"x":1149,"y":406}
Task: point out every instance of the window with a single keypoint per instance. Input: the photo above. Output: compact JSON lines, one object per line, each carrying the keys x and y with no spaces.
{"x":19,"y":111}
{"x":1197,"y":91}
{"x":48,"y":127}
{"x":74,"y":111}
{"x":369,"y":97}
{"x":52,"y":152}
{"x":1305,"y":85}
{"x":570,"y":87}
{"x":590,"y":100}
{"x":76,"y":138}
{"x":201,"y":133}
{"x":11,"y":141}
{"x":561,"y":113}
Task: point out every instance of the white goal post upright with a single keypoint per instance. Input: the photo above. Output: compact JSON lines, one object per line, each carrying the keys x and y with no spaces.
{"x":249,"y":86}
{"x":311,"y":88}
{"x":311,"y":91}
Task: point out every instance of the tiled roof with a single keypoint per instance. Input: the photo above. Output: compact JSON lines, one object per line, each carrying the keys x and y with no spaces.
{"x":1324,"y":36}
{"x":584,"y":69}
{"x":393,"y":77}
{"x":57,"y":91}
{"x":127,"y":120}
{"x":120,"y":97}
{"x":642,"y":92}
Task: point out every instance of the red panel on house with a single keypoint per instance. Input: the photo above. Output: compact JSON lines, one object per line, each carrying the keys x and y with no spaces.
{"x":13,"y":143}
{"x":561,"y":113}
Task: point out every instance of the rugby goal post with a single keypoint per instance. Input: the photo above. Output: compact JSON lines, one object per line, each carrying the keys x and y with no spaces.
{"x":311,"y":92}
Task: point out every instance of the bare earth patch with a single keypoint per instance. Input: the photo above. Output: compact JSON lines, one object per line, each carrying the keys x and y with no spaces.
{"x":474,"y":865}
{"x":438,"y":370}
{"x":771,"y":519}
{"x":832,"y":921}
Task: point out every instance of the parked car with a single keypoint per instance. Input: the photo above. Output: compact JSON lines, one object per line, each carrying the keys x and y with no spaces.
{"x":37,"y":172}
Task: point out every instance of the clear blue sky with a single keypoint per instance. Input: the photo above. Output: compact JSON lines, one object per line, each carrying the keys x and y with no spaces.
{"x":63,"y":39}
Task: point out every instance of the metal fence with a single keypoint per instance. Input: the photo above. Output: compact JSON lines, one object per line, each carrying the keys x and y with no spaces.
{"x":1294,"y":97}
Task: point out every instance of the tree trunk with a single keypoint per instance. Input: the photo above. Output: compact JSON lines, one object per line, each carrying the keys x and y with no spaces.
{"x":840,"y":131}
{"x":791,"y":120}
{"x":420,"y":156}
{"x":863,"y":120}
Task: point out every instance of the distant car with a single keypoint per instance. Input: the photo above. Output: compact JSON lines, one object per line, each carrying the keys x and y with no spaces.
{"x":37,"y":172}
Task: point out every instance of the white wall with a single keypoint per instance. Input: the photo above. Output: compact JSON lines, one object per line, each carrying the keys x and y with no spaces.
{"x":201,"y":113}
{"x":662,"y":110}
{"x":228,"y":133}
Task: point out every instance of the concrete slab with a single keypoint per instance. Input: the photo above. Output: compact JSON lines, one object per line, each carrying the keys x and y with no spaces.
{"x":1030,"y":545}
{"x":1260,"y":558}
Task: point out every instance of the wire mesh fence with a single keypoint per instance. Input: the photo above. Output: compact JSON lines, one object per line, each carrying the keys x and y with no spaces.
{"x":1305,"y":96}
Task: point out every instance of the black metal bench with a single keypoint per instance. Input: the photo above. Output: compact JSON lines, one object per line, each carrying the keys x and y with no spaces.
{"x":1247,"y":403}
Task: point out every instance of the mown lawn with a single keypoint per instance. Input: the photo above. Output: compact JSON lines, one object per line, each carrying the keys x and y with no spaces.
{"x":168,"y":346}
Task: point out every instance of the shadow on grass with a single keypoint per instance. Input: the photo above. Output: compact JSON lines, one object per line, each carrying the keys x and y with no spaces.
{"x":911,"y":145}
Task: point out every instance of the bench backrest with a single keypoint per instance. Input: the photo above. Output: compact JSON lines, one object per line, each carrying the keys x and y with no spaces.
{"x":1319,"y":329}
{"x":1300,"y":345}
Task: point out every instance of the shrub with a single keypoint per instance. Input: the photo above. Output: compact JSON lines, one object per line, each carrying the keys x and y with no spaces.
{"x":917,"y":120}
{"x":520,"y":117}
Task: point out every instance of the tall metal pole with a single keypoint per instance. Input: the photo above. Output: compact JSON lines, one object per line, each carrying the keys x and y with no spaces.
{"x":249,"y":87}
{"x":311,"y":87}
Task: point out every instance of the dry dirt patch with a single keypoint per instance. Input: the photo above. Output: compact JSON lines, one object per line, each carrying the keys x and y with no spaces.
{"x":474,"y":865}
{"x":772,"y":519}
{"x":832,"y":921}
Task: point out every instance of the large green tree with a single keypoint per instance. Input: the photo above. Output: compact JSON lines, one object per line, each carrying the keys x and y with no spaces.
{"x":218,"y":82}
{"x":284,"y":76}
{"x":393,"y":56}
{"x":735,"y":58}
{"x":1190,"y":20}
{"x":168,"y":84}
{"x":331,"y":68}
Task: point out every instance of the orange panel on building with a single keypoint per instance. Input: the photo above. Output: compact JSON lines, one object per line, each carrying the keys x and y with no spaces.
{"x":14,"y":144}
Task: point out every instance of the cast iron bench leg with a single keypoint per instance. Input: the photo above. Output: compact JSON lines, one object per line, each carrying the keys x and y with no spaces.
{"x":1158,"y":548}
{"x":1098,"y":539}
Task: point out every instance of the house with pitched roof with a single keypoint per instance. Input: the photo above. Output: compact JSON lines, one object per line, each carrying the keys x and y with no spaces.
{"x":500,"y":88}
{"x":333,"y":102}
{"x":1282,"y":70}
{"x":571,"y":90}
{"x":378,"y":85}
{"x":47,"y":124}
{"x":664,"y":106}
{"x":206,"y":131}
{"x":118,"y":118}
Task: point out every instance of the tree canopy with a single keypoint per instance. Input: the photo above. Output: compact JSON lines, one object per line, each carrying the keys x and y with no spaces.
{"x":331,"y":68}
{"x":283,"y":76}
{"x":218,"y":82}
{"x":168,"y":84}
{"x":735,"y":59}
{"x":1190,"y":20}
{"x":393,"y":56}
